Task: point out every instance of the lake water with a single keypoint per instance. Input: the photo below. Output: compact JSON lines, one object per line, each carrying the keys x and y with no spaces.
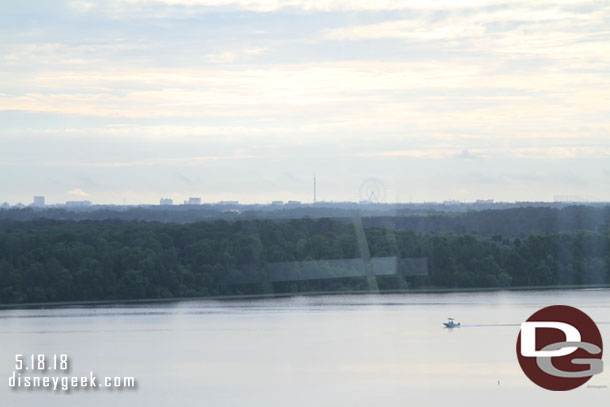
{"x":354,"y":350}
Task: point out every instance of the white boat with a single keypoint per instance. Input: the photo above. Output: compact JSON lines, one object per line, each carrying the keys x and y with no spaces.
{"x":451,"y":324}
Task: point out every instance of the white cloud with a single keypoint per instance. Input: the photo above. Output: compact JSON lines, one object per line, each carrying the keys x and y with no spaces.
{"x":453,"y":26}
{"x":493,"y":152}
{"x":222,"y":57}
{"x":189,"y":161}
{"x":522,"y":30}
{"x":232,"y":56}
{"x":406,"y":29}
{"x":347,"y":92}
{"x":255,"y":51}
{"x":119,"y":7}
{"x":266,"y":6}
{"x":78,"y":192}
{"x":506,"y":80}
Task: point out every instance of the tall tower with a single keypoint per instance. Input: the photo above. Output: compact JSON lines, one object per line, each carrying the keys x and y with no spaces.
{"x":314,"y":189}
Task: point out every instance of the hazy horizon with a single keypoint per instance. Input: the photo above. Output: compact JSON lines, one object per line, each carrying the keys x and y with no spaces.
{"x":577,"y":200}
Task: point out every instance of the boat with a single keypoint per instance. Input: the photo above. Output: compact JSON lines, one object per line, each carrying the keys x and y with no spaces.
{"x":451,"y":324}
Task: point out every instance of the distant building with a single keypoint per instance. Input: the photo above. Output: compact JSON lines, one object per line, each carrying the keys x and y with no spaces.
{"x":293,"y":203}
{"x":38,"y":201}
{"x":277,"y":202}
{"x":484,"y":201}
{"x":193,"y":201}
{"x":573,"y":199}
{"x":166,"y":202}
{"x":78,"y":204}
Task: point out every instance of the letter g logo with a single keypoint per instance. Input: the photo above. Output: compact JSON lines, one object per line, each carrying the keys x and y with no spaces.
{"x":560,"y":348}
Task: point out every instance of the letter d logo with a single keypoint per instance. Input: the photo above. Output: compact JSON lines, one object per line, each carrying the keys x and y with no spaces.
{"x":528,"y":339}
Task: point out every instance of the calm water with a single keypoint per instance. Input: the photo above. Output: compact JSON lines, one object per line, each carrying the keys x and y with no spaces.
{"x":373,"y":350}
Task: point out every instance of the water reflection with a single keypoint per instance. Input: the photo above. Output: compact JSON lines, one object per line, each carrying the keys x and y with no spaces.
{"x":357,"y":350}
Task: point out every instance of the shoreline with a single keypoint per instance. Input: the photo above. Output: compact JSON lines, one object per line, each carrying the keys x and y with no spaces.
{"x":60,"y":304}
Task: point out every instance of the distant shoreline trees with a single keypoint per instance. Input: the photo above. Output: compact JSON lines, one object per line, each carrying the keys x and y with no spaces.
{"x":56,"y":260}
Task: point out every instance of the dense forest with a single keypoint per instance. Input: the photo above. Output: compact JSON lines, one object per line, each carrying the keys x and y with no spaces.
{"x":513,"y":222}
{"x":518,"y":221}
{"x":50,"y":260}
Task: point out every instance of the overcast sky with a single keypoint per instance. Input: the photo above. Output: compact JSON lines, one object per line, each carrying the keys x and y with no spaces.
{"x":246,"y":99}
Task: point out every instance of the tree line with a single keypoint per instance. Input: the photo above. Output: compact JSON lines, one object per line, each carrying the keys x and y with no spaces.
{"x":514,"y":222}
{"x":51,"y":260}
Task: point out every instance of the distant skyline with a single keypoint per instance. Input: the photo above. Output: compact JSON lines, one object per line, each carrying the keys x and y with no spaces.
{"x":134,"y":100}
{"x":190,"y":201}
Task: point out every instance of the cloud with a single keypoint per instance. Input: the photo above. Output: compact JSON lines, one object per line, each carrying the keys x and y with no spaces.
{"x":477,"y":22}
{"x":235,"y":55}
{"x":78,"y":192}
{"x":440,"y":152}
{"x":414,"y":29}
{"x":554,"y":32}
{"x":121,"y":7}
{"x":261,"y":90}
{"x":186,"y":180}
{"x":412,"y":153}
{"x":222,"y":57}
{"x":163,"y":161}
{"x":255,"y":51}
{"x":563,"y":152}
{"x":198,"y":86}
{"x":468,"y":155}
